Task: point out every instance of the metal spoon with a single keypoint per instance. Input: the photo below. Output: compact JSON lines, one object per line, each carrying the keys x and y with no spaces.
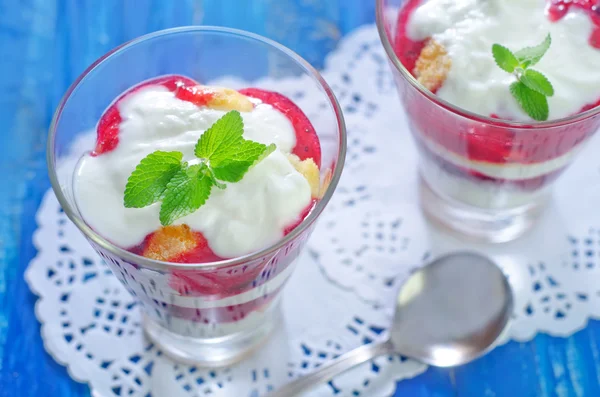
{"x":448,"y":313}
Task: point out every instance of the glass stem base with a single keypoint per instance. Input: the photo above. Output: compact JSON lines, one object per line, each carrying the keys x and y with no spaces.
{"x":479,"y":224}
{"x":212,"y":352}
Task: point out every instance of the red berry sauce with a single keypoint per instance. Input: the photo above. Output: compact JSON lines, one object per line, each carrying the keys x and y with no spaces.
{"x":406,"y":49}
{"x":307,"y":142}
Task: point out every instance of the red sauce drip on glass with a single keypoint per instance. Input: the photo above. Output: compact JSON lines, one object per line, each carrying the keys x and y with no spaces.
{"x":406,"y":49}
{"x":307,"y":141}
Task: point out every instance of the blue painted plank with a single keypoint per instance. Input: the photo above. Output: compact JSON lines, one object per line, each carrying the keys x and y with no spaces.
{"x":569,"y":366}
{"x":510,"y":368}
{"x":435,"y":382}
{"x":27,"y":92}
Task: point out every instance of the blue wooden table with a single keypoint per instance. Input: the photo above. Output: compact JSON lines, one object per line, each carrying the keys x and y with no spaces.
{"x":45,"y":44}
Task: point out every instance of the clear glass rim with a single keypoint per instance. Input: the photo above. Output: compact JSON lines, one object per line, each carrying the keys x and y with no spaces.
{"x":168,"y":266}
{"x":389,"y":49}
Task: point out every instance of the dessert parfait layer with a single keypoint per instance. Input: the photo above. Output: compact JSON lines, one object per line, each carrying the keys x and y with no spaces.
{"x":447,"y":46}
{"x":238,"y":216}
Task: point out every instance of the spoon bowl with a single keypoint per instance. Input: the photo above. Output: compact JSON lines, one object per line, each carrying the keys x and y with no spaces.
{"x":452,"y":310}
{"x":448,"y":313}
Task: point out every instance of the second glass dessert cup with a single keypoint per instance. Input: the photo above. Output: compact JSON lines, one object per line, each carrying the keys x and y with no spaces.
{"x":484,"y":177}
{"x":210,"y":314}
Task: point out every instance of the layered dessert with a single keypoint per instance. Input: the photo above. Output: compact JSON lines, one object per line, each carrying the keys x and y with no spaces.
{"x":509,"y":156}
{"x":188,"y":173}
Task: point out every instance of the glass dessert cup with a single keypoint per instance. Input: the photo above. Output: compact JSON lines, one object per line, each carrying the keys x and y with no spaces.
{"x":483,"y":177}
{"x":211,"y":314}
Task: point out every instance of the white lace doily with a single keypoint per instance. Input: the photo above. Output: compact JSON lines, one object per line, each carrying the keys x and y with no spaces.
{"x":370,"y":237}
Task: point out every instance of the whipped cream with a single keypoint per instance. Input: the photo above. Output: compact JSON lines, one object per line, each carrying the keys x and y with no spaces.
{"x":244,"y":217}
{"x":469,"y":28}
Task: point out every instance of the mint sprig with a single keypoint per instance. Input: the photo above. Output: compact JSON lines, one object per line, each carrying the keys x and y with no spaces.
{"x":229,"y":154}
{"x":224,"y":156}
{"x":532,"y":88}
{"x":534,"y":103}
{"x":187,"y":191}
{"x":148,"y":182}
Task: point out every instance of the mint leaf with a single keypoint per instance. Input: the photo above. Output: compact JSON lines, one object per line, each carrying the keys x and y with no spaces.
{"x":148,"y":181}
{"x":230,"y":156}
{"x":532,"y":102}
{"x":268,"y":150}
{"x":531,"y":55}
{"x":187,"y":191}
{"x":248,"y":154}
{"x":212,"y":176}
{"x":225,"y":156}
{"x":532,"y":87}
{"x":504,"y":58}
{"x":220,"y":141}
{"x":537,"y":82}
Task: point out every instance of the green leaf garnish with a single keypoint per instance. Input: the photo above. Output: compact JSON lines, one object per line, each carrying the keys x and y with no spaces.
{"x":249,"y":153}
{"x":186,"y":192}
{"x":534,"y":103}
{"x":529,"y":56}
{"x":149,"y":180}
{"x":532,"y":87}
{"x":214,"y":179}
{"x":537,"y":82}
{"x":222,"y":139}
{"x":225,"y":156}
{"x":504,"y":58}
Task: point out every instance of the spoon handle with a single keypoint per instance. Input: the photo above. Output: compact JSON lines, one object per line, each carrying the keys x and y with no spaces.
{"x":335,"y":367}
